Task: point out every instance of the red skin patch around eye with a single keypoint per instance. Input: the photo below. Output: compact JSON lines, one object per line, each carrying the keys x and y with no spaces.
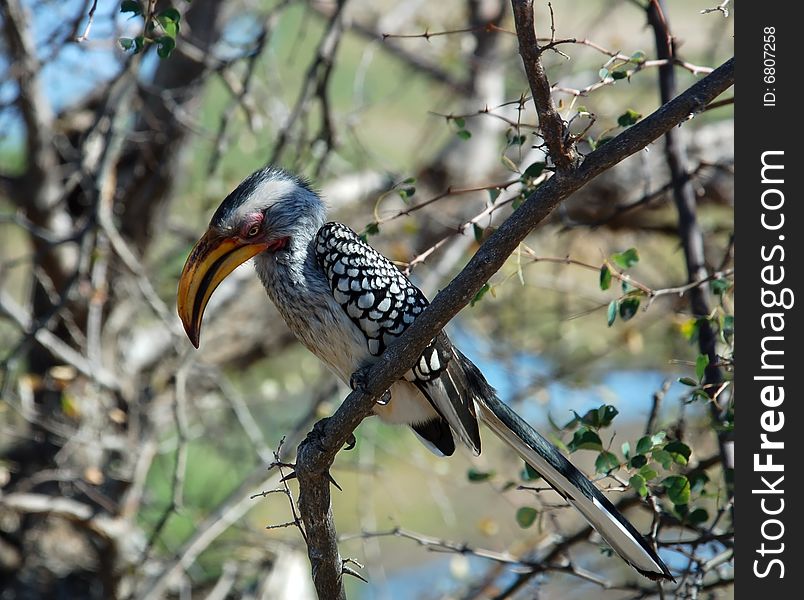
{"x":252,"y":220}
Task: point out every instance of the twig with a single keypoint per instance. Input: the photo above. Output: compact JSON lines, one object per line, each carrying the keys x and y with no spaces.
{"x":427,"y":34}
{"x":448,"y":192}
{"x":656,"y":404}
{"x":721,"y":8}
{"x":85,"y":36}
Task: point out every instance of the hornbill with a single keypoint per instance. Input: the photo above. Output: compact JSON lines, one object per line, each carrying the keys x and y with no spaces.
{"x":346,"y":302}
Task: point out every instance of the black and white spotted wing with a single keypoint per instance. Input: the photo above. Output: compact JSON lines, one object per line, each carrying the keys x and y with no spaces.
{"x":382,"y":302}
{"x":376,"y":295}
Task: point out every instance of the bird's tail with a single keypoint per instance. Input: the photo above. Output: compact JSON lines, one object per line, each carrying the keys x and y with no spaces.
{"x":562,"y":475}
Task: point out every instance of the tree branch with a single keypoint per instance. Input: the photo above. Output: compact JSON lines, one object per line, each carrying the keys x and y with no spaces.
{"x":689,"y":231}
{"x":554,"y":130}
{"x":317,"y":453}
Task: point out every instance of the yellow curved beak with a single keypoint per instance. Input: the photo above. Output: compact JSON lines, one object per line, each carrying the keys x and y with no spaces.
{"x":212,"y":258}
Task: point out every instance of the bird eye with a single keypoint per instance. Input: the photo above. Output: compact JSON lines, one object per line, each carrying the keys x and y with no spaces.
{"x":255,"y":229}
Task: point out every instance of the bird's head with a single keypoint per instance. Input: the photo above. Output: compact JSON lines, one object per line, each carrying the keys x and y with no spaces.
{"x":268,"y":211}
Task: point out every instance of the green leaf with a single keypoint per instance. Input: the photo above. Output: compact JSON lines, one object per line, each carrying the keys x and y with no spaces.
{"x":638,"y":483}
{"x":602,"y":416}
{"x":662,"y":457}
{"x":169,"y":26}
{"x":628,"y":308}
{"x":480,"y":293}
{"x":638,"y":57}
{"x":476,"y":476}
{"x":478,"y":231}
{"x":606,"y":414}
{"x":688,"y":381}
{"x":619,"y":75}
{"x":605,"y":277}
{"x":611,"y":312}
{"x":372,"y":228}
{"x":698,"y":481}
{"x":626,"y":448}
{"x":648,"y":473}
{"x":606,"y":462}
{"x":603,"y":73}
{"x":628,"y":118}
{"x":529,"y":473}
{"x":170,"y":14}
{"x":126,"y":43}
{"x":678,"y":489}
{"x":728,"y":326}
{"x":644,"y":445}
{"x":698,"y":516}
{"x":164,"y":46}
{"x":406,"y":192}
{"x":585,"y":439}
{"x":460,"y":122}
{"x":638,"y":461}
{"x":464,"y":134}
{"x":131,"y":6}
{"x":626,"y":259}
{"x":679,"y":451}
{"x":526,"y":516}
{"x":700,"y":366}
{"x":535,"y":169}
{"x":494,"y":193}
{"x":719,"y":286}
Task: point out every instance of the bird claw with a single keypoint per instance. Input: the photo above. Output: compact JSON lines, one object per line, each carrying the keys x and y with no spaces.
{"x":359,"y":382}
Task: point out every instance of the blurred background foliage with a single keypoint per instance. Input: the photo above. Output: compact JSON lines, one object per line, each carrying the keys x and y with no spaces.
{"x":111,"y":163}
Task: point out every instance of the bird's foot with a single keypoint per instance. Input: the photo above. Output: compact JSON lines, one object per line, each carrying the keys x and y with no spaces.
{"x":359,"y":381}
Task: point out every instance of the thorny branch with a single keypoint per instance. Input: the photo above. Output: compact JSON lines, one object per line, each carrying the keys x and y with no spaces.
{"x":317,"y":453}
{"x":553,"y":128}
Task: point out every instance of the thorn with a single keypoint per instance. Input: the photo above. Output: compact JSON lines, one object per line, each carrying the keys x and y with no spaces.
{"x":288,"y":477}
{"x":349,"y":571}
{"x":279,"y":464}
{"x":351,"y":442}
{"x":331,"y":480}
{"x":346,"y":570}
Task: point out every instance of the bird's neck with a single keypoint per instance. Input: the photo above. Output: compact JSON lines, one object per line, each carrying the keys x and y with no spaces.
{"x":291,"y":266}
